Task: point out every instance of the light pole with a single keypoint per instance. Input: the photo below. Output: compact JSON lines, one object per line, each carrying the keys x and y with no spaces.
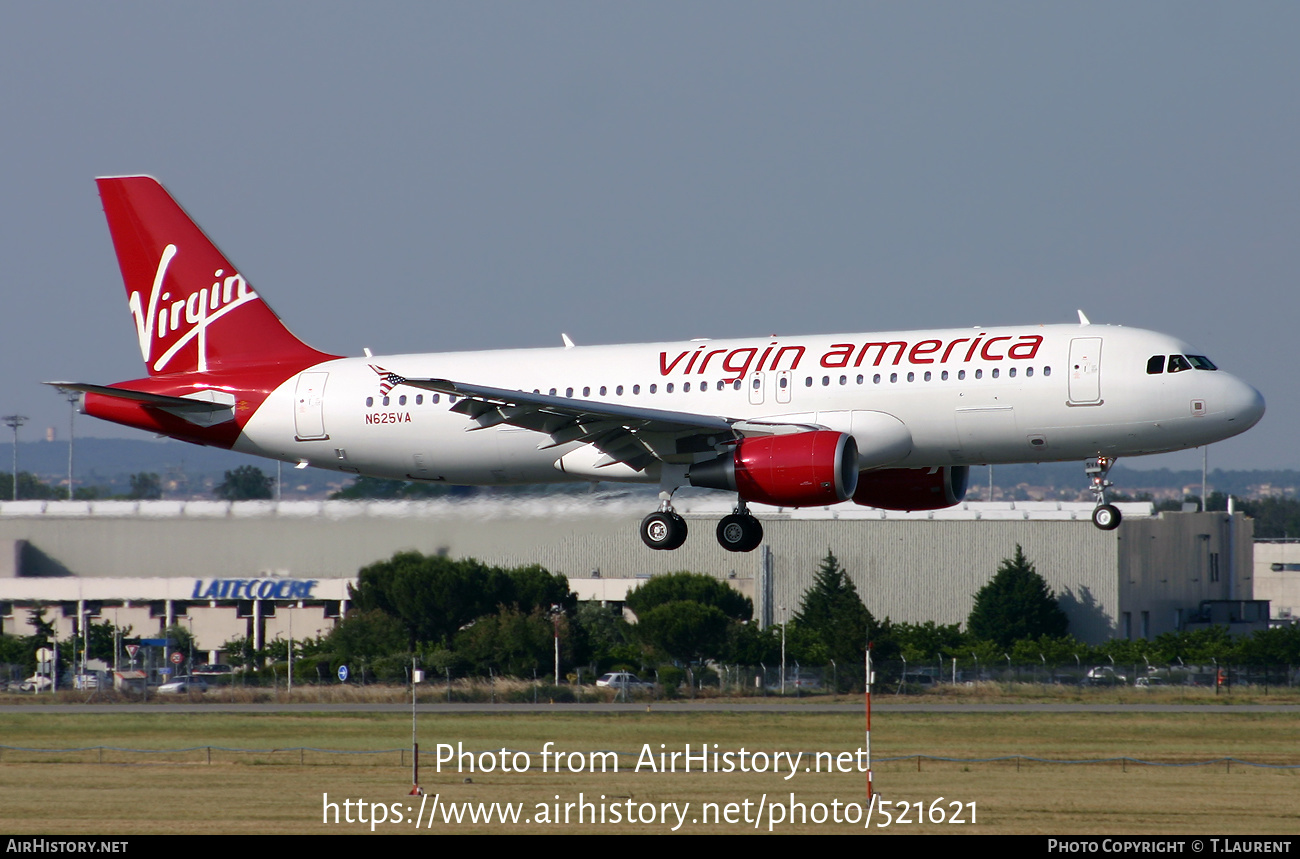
{"x":555,"y":625}
{"x":14,"y":422}
{"x":783,"y":623}
{"x":74,"y":397}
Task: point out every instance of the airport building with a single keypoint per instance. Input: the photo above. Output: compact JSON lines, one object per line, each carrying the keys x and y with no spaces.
{"x":267,"y":569}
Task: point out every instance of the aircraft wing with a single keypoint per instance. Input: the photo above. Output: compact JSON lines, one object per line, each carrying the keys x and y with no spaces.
{"x":633,"y":435}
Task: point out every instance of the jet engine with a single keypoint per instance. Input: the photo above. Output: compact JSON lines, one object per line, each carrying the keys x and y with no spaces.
{"x":912,"y":488}
{"x":803,"y":469}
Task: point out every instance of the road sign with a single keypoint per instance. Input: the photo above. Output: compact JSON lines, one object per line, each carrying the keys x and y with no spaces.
{"x":132,"y":650}
{"x":343,"y":673}
{"x":178,"y":658}
{"x":44,"y":654}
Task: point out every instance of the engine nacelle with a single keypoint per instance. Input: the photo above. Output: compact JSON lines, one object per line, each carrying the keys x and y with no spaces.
{"x":805,"y":469}
{"x":912,"y":488}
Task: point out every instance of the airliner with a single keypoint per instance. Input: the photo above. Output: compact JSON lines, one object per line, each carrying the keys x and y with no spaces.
{"x":888,"y":419}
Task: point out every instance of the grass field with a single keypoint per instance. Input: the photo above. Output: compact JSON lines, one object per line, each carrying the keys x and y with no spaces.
{"x":269,"y":791}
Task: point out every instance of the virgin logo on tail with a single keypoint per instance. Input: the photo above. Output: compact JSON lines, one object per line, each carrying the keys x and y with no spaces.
{"x":164,"y":319}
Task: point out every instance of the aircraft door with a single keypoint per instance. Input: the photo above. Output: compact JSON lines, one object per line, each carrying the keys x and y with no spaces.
{"x":756,"y":389}
{"x":784,"y":382}
{"x":309,"y":407}
{"x":1085,"y":371}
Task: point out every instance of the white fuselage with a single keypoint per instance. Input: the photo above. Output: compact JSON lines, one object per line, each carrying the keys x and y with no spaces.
{"x":966,"y":396}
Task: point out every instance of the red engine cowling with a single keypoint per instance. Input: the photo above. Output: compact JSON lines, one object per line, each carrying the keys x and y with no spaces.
{"x":804,"y":469}
{"x":912,"y":488}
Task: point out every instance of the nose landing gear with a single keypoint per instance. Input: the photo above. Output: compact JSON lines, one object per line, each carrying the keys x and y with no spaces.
{"x":1105,"y":516}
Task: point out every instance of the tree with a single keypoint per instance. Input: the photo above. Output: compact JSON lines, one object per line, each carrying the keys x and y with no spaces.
{"x":690,"y":587}
{"x":1016,"y":604}
{"x":832,"y":622}
{"x":146,"y":486}
{"x":685,"y":630}
{"x":246,"y":483}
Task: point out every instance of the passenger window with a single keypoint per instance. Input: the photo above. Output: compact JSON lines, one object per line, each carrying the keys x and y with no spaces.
{"x":1029,"y":371}
{"x":807,"y":383}
{"x":385,"y":400}
{"x":686,"y":389}
{"x":434,"y":398}
{"x":736,"y":385}
{"x":552,"y":392}
{"x":826,"y":380}
{"x":568,"y":392}
{"x":401,"y":401}
{"x":995,"y":372}
{"x":619,"y":390}
{"x":419,"y":399}
{"x":654,"y":388}
{"x":911,"y":377}
{"x":979,"y":374}
{"x":602,"y":390}
{"x":636,"y":389}
{"x":859,"y":378}
{"x":586,"y":392}
{"x":1155,"y":365}
{"x":844,"y":380}
{"x":1177,"y":364}
{"x":1012,"y":372}
{"x":943,"y":376}
{"x":370,"y":401}
{"x":668,"y":388}
{"x":1047,"y":371}
{"x":893,"y":377}
{"x":875,"y":380}
{"x":758,"y":382}
{"x":961,"y":375}
{"x":784,"y":381}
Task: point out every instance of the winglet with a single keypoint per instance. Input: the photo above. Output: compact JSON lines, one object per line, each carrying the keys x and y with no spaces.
{"x":1083,"y":320}
{"x":568,"y":344}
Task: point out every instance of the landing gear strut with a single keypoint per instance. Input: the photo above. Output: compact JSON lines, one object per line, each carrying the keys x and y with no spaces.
{"x":740,"y":532}
{"x":1105,"y":516}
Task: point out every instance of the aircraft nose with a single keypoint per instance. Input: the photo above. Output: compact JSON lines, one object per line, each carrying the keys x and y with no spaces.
{"x":1245,"y":406}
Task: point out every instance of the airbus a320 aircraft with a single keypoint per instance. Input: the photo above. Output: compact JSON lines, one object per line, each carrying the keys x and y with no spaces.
{"x":890,"y":420}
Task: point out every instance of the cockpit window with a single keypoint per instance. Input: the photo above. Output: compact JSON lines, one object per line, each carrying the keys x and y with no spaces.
{"x":1155,"y":365}
{"x":1177,"y":364}
{"x":1200,"y":362}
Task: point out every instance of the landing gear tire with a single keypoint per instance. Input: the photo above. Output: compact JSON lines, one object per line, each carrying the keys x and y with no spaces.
{"x":663,"y":530}
{"x":1106,"y":517}
{"x":740,"y":532}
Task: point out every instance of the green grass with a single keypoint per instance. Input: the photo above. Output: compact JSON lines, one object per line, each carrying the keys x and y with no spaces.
{"x":281,"y":792}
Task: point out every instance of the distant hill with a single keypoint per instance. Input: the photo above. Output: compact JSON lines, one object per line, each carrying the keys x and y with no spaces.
{"x":185,"y":469}
{"x":189,"y":470}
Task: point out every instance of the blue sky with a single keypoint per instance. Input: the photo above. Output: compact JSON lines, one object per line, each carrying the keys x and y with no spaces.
{"x":447,"y":176}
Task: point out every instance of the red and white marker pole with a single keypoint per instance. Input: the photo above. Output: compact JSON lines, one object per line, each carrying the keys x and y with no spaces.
{"x":870,"y":678}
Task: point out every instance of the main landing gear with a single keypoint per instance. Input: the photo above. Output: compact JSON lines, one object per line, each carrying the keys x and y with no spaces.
{"x":1105,"y":516}
{"x":740,"y":532}
{"x":666,"y":529}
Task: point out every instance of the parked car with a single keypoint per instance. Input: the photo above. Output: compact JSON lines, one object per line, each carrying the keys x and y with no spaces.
{"x":36,"y":683}
{"x":623,"y":680}
{"x":183,"y":685}
{"x":216,"y":669}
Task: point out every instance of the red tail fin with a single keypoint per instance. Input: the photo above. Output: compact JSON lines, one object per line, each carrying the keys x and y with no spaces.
{"x":192,"y":310}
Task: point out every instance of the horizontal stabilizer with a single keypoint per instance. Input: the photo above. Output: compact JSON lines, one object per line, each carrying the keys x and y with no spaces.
{"x":203,"y":407}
